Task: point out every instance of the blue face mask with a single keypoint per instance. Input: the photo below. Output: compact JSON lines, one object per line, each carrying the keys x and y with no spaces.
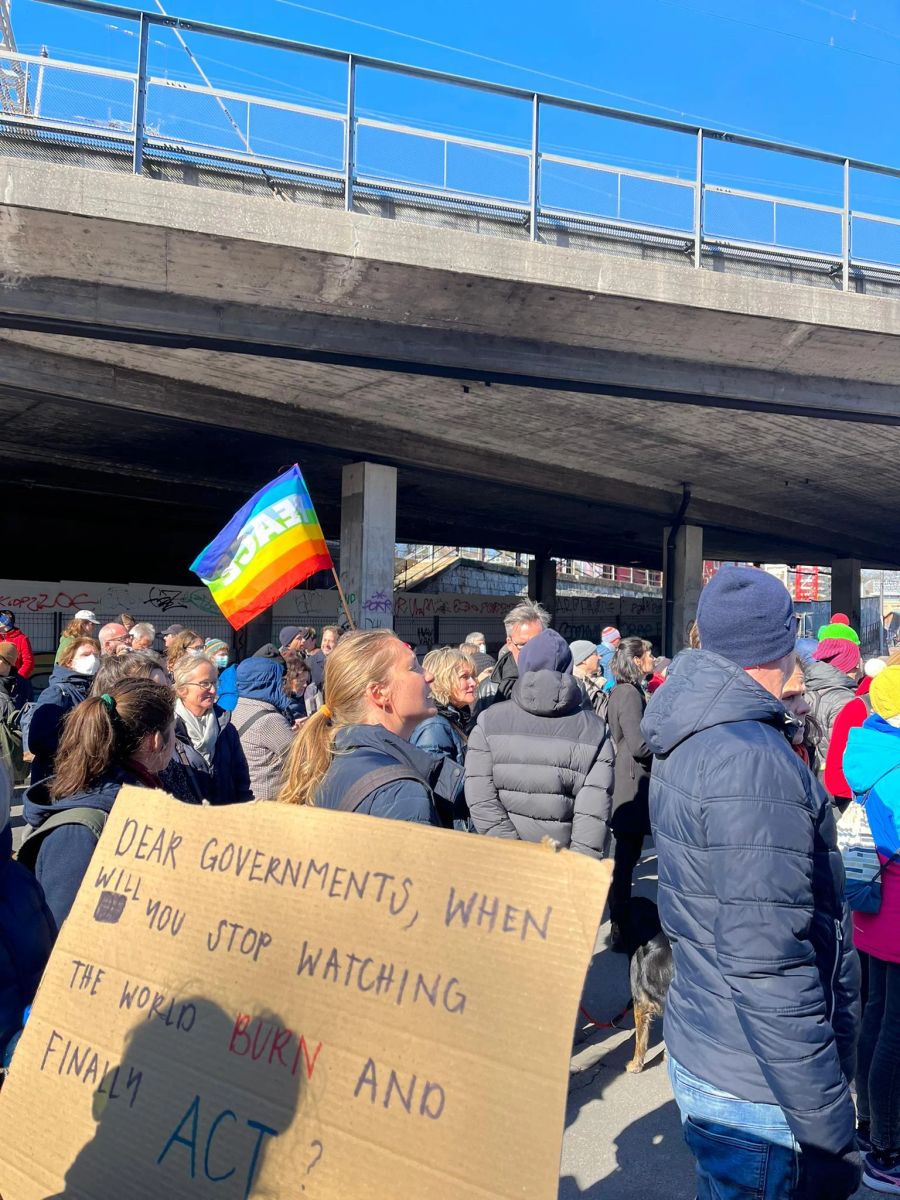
{"x":221,"y":661}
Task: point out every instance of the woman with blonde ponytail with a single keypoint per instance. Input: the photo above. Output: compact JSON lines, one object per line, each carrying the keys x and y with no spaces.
{"x":354,"y":754}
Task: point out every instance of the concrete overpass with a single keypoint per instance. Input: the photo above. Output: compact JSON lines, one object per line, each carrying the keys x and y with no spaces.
{"x":165,"y":348}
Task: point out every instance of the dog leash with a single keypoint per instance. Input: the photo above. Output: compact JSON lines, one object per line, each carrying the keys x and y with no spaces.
{"x":613,"y":1023}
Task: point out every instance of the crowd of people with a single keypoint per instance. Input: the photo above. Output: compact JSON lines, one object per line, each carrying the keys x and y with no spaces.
{"x":740,"y":757}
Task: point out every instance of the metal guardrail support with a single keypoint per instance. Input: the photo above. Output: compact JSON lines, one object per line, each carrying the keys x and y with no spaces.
{"x":350,"y":134}
{"x":845,"y":230}
{"x":140,"y":96}
{"x":534,"y":171}
{"x":698,"y":203}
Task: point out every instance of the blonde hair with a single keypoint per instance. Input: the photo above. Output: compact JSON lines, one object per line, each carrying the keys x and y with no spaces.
{"x":444,"y":665}
{"x":358,"y":660}
{"x":185,"y":667}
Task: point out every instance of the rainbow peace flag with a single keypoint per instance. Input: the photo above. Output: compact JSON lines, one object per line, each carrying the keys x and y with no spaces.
{"x":269,"y":547}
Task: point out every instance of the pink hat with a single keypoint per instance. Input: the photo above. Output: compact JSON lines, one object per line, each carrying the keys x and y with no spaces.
{"x":839,"y":652}
{"x":610,"y":634}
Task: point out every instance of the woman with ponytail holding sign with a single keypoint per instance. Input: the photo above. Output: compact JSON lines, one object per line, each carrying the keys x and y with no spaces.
{"x":354,"y":754}
{"x":125,"y":736}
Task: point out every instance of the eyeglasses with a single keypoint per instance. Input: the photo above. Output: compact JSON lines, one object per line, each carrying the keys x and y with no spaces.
{"x":208,"y":685}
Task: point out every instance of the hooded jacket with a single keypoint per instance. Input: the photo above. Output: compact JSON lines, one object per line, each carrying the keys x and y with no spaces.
{"x":266,"y":735}
{"x":65,"y":853}
{"x":42,"y":725}
{"x":25,"y":655}
{"x":872,"y":769}
{"x":26,"y":933}
{"x":360,"y":749}
{"x":542,"y":765}
{"x":828,"y":690}
{"x":764,"y":1002}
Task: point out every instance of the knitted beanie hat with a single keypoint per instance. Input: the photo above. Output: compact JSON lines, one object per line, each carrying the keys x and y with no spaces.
{"x":839,"y":653}
{"x":840,"y":630}
{"x":885,"y":693}
{"x":746,"y":615}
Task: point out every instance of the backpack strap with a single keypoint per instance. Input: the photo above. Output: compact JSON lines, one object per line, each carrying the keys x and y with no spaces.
{"x":372,"y":781}
{"x":93,"y":819}
{"x":251,"y":721}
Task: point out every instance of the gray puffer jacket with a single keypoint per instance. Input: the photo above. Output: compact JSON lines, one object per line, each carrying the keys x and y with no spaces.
{"x":828,"y":690}
{"x":542,"y":765}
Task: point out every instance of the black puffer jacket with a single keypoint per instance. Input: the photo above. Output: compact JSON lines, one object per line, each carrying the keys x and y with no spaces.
{"x":542,"y":765}
{"x":764,"y":1003}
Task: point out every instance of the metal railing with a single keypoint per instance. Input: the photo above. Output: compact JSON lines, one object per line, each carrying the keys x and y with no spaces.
{"x":517,"y":175}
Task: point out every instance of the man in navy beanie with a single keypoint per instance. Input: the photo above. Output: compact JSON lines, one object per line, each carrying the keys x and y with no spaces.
{"x":761,"y":1018}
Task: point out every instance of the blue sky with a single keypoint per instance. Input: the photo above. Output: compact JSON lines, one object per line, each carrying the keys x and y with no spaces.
{"x":821,"y":74}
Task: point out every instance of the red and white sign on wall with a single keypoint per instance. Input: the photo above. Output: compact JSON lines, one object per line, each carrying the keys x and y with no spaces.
{"x":806,"y":584}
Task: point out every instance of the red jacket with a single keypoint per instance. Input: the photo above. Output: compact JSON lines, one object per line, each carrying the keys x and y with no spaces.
{"x":851,"y":716}
{"x":25,"y":661}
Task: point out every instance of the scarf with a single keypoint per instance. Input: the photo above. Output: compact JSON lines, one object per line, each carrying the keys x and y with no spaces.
{"x":203,"y":731}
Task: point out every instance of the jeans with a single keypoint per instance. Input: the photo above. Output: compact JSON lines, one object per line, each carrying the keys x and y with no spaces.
{"x":743,"y":1151}
{"x":878,"y":1060}
{"x":626,"y":857}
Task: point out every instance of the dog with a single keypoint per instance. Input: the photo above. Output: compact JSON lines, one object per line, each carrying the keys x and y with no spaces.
{"x":650,"y":970}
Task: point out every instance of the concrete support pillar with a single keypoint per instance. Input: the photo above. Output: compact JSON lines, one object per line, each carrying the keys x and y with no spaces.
{"x":682,"y":584}
{"x":846,"y":588}
{"x":542,"y":582}
{"x":368,"y":532}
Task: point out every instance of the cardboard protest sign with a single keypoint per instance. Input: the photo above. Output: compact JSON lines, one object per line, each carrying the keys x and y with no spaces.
{"x":271,"y":1001}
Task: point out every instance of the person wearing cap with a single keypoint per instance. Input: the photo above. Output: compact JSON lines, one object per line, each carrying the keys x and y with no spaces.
{"x":831,"y":680}
{"x":169,"y":635}
{"x":585,"y":670}
{"x":872,"y":767}
{"x":762,"y":1016}
{"x":540,"y":765}
{"x":9,"y":632}
{"x":83,"y":624}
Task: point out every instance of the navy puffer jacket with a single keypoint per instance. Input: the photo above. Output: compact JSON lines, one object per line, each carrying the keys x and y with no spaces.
{"x":360,"y":749}
{"x":764,"y":1003}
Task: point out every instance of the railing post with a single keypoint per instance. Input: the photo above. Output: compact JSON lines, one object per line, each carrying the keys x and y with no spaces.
{"x":140,"y":96}
{"x":350,"y":137}
{"x":698,"y":202}
{"x":534,"y":181}
{"x":845,"y":229}
{"x":39,"y":92}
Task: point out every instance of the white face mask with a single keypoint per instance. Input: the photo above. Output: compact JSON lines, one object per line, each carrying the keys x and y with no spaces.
{"x":221,"y":661}
{"x":85,"y":664}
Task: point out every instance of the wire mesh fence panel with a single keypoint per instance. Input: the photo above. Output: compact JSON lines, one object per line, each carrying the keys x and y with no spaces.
{"x":40,"y":629}
{"x":302,"y":139}
{"x":89,"y":100}
{"x":196,"y":118}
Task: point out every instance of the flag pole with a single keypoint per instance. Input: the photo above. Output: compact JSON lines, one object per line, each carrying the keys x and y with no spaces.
{"x":350,"y":620}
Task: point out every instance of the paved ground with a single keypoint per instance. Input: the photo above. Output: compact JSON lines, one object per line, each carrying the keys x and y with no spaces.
{"x":623,"y":1134}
